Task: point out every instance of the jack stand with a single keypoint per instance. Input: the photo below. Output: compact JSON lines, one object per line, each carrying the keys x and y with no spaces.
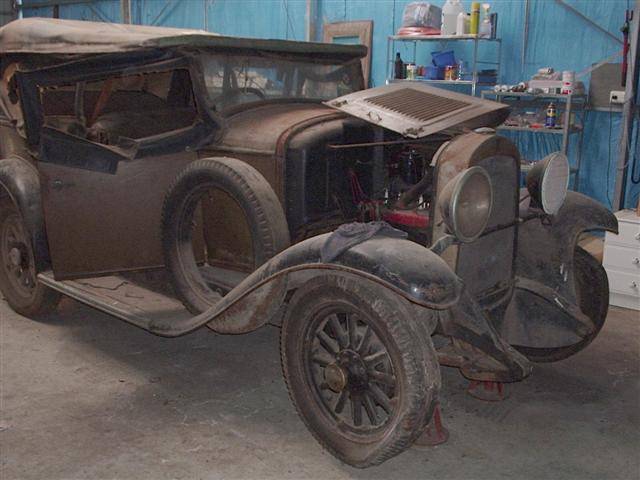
{"x":487,"y":391}
{"x":435,"y":433}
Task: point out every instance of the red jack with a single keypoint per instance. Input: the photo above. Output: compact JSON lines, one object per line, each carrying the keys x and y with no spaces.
{"x":435,"y":433}
{"x":487,"y":391}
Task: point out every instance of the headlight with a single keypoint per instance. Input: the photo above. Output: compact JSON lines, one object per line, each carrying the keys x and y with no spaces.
{"x":466,"y":203}
{"x":548,"y":181}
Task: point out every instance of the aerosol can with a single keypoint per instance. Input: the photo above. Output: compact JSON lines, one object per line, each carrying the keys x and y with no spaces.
{"x":552,"y":114}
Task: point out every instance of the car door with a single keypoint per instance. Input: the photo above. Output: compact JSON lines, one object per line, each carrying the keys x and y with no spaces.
{"x":103,"y":183}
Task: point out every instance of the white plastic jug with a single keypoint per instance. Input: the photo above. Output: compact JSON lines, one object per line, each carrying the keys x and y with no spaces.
{"x":450,"y":12}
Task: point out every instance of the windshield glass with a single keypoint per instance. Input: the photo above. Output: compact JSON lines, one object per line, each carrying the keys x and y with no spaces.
{"x":232,"y":80}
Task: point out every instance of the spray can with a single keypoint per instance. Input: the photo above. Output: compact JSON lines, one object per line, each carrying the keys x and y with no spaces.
{"x":475,"y":18}
{"x":551,"y":116}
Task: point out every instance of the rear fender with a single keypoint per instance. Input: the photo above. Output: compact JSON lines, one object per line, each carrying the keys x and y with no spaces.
{"x":404,"y":267}
{"x":20,"y":182}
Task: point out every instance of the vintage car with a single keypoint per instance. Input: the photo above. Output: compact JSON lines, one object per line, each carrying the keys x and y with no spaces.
{"x":177,"y":179}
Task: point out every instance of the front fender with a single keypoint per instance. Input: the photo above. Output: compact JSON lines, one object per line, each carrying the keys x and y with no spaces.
{"x":546,"y":249}
{"x":404,"y":267}
{"x":544,"y":311}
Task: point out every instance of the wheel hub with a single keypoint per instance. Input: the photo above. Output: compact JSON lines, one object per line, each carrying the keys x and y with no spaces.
{"x":352,"y":371}
{"x":336,"y":377}
{"x":355,"y":368}
{"x":15,"y":257}
{"x":348,"y":371}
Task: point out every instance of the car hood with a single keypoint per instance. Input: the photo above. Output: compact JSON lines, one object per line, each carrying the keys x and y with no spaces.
{"x":260,"y":128}
{"x":416,"y":110}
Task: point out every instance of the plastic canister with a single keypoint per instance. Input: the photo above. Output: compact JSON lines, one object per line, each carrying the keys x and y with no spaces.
{"x":568,"y":78}
{"x":443,"y":59}
{"x":411,"y":71}
{"x":475,"y":18}
{"x":450,"y":11}
{"x":460,"y":24}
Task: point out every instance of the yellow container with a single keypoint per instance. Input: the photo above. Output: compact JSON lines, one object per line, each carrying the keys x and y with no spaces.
{"x":475,"y":18}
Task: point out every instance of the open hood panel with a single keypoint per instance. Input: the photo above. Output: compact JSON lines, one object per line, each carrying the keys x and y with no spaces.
{"x":415,"y":110}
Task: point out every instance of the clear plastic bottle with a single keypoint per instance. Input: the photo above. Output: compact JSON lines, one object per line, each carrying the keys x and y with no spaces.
{"x":485,"y":26}
{"x":460,"y":24}
{"x":450,"y":11}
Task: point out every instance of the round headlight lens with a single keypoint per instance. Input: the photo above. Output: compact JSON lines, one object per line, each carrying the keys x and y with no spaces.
{"x":466,"y":203}
{"x":548,"y":182}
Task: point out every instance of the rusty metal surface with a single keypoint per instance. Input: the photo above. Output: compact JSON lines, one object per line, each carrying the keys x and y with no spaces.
{"x":477,"y":348}
{"x":227,"y":233}
{"x":500,"y":157}
{"x":98,"y":224}
{"x":416,"y":104}
{"x":260,"y":128}
{"x":547,"y":311}
{"x":416,"y":110}
{"x":418,"y":275}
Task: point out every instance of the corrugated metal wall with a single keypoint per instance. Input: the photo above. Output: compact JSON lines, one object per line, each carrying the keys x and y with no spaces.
{"x":556,"y":38}
{"x":7,"y":13}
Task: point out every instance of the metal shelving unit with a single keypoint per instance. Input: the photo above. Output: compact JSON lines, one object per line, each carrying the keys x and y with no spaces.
{"x":573,"y":104}
{"x":443,"y":40}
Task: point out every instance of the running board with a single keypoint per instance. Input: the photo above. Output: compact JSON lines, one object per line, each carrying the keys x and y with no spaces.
{"x":120,"y":297}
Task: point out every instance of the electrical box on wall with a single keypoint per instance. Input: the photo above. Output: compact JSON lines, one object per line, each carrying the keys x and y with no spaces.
{"x":616,"y":97}
{"x":605,"y":80}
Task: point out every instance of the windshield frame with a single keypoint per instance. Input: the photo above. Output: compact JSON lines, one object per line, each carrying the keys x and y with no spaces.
{"x":300,"y":70}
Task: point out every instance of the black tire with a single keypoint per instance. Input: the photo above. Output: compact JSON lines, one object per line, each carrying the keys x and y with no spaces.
{"x":592,"y":292}
{"x":262,"y":210}
{"x":407,"y":372}
{"x":18,"y":276}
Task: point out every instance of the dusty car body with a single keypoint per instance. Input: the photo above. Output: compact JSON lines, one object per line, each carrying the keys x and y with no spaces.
{"x":177,"y":179}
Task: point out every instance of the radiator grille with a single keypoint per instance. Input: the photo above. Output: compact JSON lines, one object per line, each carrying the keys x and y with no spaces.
{"x":416,"y":104}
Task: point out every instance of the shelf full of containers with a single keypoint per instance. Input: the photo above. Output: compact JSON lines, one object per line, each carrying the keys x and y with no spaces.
{"x":424,"y":22}
{"x":549,"y":103}
{"x":546,"y":105}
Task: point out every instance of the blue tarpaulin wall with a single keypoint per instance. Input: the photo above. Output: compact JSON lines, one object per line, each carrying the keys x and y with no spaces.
{"x":557,"y":38}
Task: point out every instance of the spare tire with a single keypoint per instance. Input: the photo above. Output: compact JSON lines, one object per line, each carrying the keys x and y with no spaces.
{"x":263,"y":214}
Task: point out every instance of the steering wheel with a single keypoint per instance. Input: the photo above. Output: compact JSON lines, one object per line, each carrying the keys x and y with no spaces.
{"x":228,"y":95}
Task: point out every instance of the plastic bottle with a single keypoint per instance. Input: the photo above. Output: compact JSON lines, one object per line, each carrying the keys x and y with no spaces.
{"x":460,"y":24}
{"x":450,"y":12}
{"x":475,"y":18}
{"x":398,"y":67}
{"x":485,"y":26}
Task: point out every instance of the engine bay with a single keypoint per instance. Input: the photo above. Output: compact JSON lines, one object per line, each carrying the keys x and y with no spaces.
{"x":374,"y":175}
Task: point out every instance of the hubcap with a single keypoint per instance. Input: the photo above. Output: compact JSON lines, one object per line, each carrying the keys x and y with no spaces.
{"x":336,"y":377}
{"x":351,"y":371}
{"x":15,"y":259}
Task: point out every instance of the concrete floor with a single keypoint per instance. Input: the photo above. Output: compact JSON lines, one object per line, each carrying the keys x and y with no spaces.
{"x":86,"y":396}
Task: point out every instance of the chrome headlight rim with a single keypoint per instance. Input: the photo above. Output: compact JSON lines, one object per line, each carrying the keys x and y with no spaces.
{"x":549,"y":196}
{"x":458,"y":188}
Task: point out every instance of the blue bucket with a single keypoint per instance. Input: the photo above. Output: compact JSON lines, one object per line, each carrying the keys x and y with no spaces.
{"x":443,"y":59}
{"x":433,"y":73}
